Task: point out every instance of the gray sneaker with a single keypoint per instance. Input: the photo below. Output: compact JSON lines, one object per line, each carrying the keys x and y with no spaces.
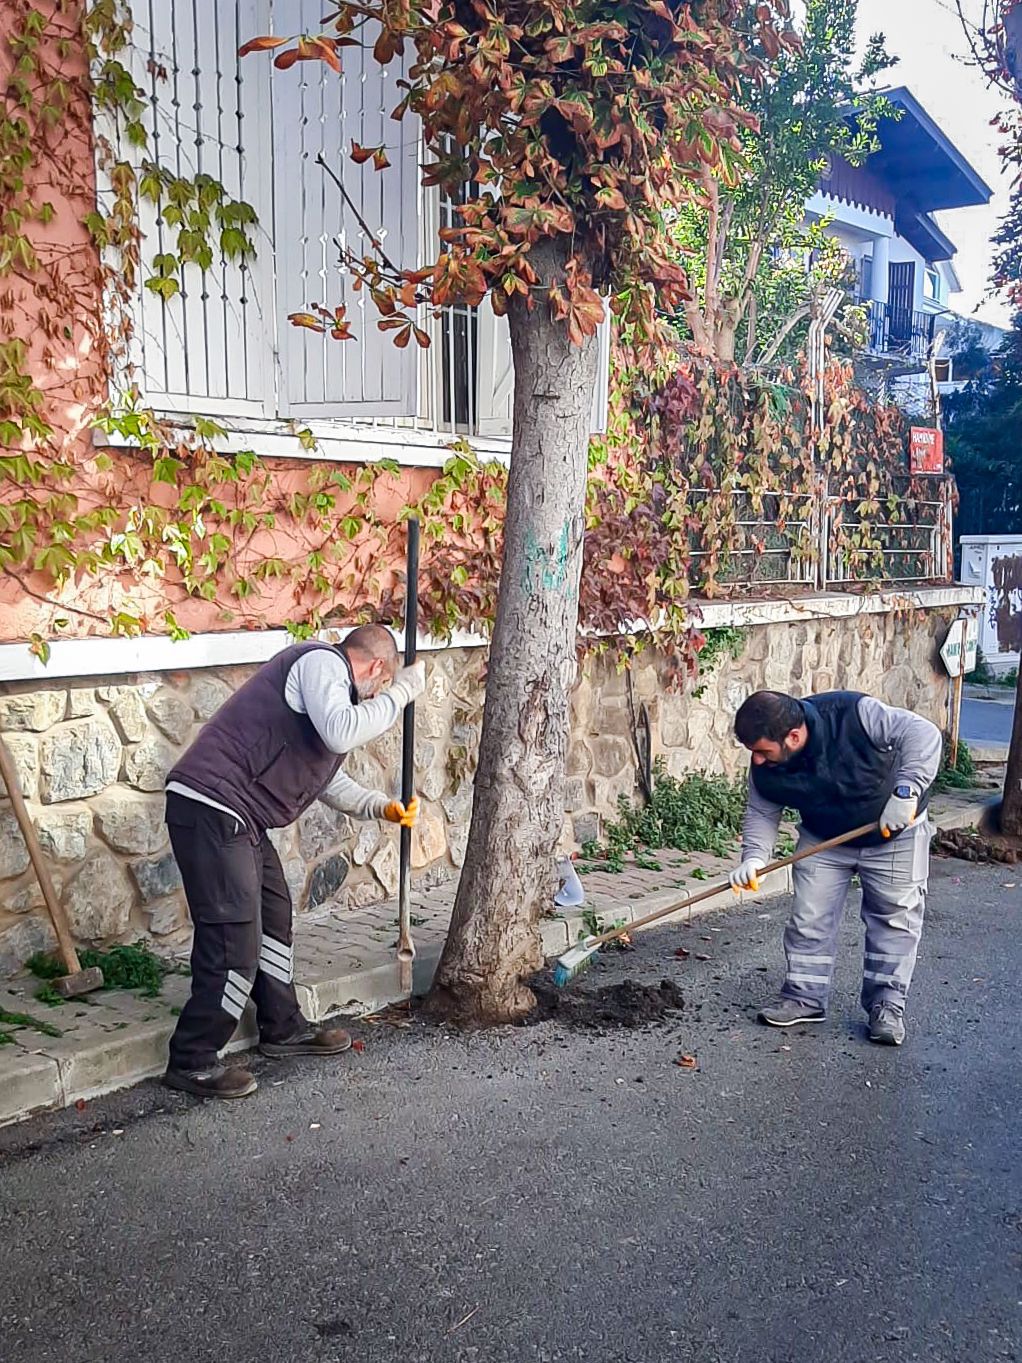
{"x":791,"y":1012}
{"x":887,"y":1024}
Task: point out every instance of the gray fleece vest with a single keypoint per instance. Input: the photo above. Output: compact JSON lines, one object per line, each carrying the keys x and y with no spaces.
{"x":258,"y":756}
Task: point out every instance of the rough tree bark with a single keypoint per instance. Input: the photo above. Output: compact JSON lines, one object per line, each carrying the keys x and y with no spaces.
{"x":508,"y":876}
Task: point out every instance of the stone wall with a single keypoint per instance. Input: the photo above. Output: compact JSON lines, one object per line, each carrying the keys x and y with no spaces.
{"x":92,"y":756}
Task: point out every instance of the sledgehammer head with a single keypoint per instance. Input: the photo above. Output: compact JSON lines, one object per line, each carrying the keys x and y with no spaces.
{"x":82,"y":982}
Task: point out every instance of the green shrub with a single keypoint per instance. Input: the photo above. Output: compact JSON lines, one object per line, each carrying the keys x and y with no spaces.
{"x":695,"y":813}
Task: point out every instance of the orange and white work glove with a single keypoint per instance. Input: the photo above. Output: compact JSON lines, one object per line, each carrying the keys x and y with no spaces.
{"x":405,"y":815}
{"x":746,"y":876}
{"x":899,"y":812}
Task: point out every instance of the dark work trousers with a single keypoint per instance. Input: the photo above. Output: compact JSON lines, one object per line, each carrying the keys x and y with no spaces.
{"x":241,"y":908}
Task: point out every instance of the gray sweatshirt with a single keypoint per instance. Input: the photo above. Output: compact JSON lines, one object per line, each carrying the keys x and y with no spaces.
{"x":917,"y":742}
{"x":318,"y":685}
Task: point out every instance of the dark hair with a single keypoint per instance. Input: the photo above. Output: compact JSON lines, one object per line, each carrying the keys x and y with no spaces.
{"x":768,"y":714}
{"x":372,"y":641}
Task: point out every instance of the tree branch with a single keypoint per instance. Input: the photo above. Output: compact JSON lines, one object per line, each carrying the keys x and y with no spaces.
{"x":799,"y":315}
{"x":377,"y":244}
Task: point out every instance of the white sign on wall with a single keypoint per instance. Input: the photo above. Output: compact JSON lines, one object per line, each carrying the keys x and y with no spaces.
{"x":959,"y":650}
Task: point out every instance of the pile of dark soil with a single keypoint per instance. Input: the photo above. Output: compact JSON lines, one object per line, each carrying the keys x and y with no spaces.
{"x":967,"y":845}
{"x":628,"y":1004}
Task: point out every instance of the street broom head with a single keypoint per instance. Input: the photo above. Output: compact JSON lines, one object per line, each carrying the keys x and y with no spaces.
{"x":573,"y":962}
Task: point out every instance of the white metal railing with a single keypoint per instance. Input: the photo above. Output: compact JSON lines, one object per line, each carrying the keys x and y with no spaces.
{"x":817,"y":540}
{"x":891,"y":548}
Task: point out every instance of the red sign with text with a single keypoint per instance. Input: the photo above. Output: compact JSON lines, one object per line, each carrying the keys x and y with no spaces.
{"x":926,"y":450}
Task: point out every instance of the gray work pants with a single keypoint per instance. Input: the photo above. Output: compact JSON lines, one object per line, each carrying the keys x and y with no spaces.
{"x":893,"y":878}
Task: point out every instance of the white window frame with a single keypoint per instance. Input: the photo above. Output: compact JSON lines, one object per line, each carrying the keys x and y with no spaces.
{"x":932,"y":275}
{"x":419,"y":436}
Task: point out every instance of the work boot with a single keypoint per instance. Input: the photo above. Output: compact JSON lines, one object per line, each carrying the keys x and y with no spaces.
{"x":222,"y":1081}
{"x":309,"y":1041}
{"x":887,"y":1024}
{"x":791,"y":1012}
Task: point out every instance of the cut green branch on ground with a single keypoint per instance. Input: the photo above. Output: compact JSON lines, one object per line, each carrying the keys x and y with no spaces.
{"x":124,"y":967}
{"x":25,"y":1020}
{"x":593,"y":927}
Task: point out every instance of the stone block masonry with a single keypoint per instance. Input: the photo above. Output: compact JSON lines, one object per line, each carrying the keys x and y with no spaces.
{"x":92,"y":755}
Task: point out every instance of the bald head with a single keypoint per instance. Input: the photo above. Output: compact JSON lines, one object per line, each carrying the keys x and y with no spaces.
{"x":372,"y":656}
{"x":372,"y":641}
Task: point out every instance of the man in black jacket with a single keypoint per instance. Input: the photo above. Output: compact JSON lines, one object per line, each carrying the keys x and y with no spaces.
{"x":276,"y":746}
{"x":842,"y":760}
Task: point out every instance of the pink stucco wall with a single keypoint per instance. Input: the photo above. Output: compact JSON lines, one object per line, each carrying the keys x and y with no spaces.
{"x":58,"y":311}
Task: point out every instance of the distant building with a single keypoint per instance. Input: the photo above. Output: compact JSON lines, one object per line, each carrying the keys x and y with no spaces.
{"x":882,"y":213}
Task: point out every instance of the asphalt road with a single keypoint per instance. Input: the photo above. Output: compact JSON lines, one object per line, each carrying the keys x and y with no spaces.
{"x":987,"y":721}
{"x":544,"y":1194}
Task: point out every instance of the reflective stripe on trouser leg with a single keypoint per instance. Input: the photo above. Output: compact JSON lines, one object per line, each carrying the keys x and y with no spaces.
{"x":236,"y":991}
{"x":277,"y":959}
{"x":810,"y":938}
{"x":277,"y":1010}
{"x":894,"y":881}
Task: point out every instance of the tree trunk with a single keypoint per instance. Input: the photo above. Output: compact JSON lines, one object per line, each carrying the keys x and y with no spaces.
{"x":727,"y":331}
{"x":1011,"y":808}
{"x":508,"y":877}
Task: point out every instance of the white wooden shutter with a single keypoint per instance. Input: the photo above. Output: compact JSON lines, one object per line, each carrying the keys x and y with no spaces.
{"x":316,"y":112}
{"x":209,"y":348}
{"x":497,"y":376}
{"x":601,"y":393}
{"x":494,"y":404}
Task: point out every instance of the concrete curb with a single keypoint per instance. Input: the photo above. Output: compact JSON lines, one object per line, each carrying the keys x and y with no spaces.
{"x":1003,"y":695}
{"x":989,"y":754}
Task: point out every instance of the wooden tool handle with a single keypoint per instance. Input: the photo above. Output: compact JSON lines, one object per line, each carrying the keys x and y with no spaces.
{"x":56,"y":910}
{"x":406,"y":947}
{"x":724,"y":884}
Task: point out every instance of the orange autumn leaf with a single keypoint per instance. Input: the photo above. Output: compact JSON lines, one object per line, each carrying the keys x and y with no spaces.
{"x":307,"y":320}
{"x":264,"y":44}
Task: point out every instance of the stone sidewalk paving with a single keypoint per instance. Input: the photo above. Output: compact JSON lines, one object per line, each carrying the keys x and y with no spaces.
{"x":345,"y":963}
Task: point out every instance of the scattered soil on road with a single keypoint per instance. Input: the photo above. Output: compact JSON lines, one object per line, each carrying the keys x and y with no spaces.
{"x":968,"y":845}
{"x":628,"y":1004}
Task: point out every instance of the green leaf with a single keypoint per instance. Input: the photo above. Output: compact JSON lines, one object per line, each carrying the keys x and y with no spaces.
{"x":166,"y":288}
{"x":207,"y":429}
{"x":166,"y":469}
{"x":234,"y":244}
{"x":39,"y":648}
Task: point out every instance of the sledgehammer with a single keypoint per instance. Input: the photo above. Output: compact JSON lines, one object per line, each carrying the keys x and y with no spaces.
{"x":76,"y":981}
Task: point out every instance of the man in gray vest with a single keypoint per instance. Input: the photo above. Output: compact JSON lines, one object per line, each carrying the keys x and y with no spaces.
{"x":269,"y":752}
{"x":842,"y":760}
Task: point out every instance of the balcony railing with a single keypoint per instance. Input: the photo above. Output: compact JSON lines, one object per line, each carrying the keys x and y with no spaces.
{"x":818,"y":540}
{"x":899,"y":331}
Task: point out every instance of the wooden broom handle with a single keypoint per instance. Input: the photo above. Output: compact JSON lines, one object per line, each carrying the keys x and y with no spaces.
{"x":723,"y":885}
{"x":56,"y":910}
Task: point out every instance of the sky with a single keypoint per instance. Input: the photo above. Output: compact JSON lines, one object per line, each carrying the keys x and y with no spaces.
{"x":928,"y":38}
